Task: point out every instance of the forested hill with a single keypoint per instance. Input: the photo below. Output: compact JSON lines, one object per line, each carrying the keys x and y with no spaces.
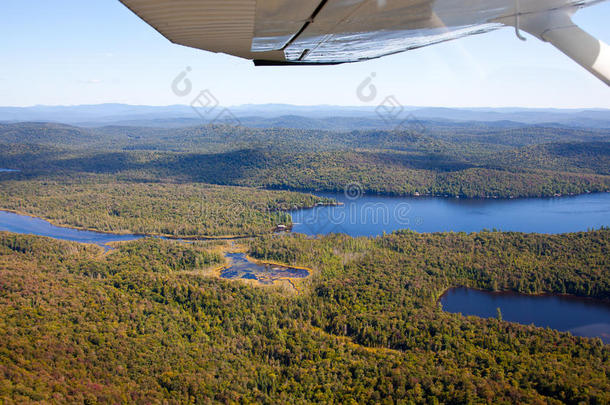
{"x":45,"y":134}
{"x":447,"y":159}
{"x":592,"y":157}
{"x":489,"y":136}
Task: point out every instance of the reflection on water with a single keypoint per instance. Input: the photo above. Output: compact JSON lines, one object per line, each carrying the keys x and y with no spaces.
{"x":36,"y":226}
{"x":8,"y":170}
{"x":580,"y":316}
{"x":373,"y":215}
{"x":242,"y":268}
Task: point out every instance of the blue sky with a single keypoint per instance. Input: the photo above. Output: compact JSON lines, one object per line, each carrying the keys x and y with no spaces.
{"x":68,"y":52}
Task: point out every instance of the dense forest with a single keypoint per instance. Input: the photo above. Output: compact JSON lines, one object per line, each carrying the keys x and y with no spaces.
{"x":222,"y":138}
{"x":146,"y":323}
{"x":472,"y":161}
{"x":177,"y":210}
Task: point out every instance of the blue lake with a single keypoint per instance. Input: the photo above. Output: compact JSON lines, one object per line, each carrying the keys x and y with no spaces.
{"x":580,"y":316}
{"x":373,"y":215}
{"x":35,"y":226}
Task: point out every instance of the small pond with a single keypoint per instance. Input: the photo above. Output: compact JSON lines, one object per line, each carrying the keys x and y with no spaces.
{"x":566,"y":313}
{"x":242,"y":268}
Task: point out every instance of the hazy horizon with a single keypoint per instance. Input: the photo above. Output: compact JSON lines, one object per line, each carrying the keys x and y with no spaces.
{"x":474,"y":107}
{"x":81,"y":59}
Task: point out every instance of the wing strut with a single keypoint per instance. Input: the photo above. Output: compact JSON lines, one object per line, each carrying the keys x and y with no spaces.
{"x":518,"y":21}
{"x":557,"y":28}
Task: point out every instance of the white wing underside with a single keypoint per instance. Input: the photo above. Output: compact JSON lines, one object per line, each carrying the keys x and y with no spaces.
{"x":337,"y":31}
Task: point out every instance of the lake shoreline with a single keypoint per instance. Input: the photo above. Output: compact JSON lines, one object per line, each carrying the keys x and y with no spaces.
{"x":514,"y":292}
{"x":582,"y":316}
{"x":365,"y":193}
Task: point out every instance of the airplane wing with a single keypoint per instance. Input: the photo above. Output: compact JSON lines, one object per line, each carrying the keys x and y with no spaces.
{"x":304,"y":32}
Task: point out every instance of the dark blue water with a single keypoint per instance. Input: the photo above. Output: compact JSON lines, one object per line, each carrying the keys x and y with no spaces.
{"x":35,"y":226}
{"x":373,"y":215}
{"x":8,"y":170}
{"x":580,"y":316}
{"x":242,"y":268}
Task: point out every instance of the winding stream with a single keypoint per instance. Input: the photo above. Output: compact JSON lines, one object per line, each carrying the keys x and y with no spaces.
{"x":240,"y":268}
{"x":35,"y":226}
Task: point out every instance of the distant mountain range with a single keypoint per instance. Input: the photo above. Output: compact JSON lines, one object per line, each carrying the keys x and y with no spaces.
{"x":301,"y":117}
